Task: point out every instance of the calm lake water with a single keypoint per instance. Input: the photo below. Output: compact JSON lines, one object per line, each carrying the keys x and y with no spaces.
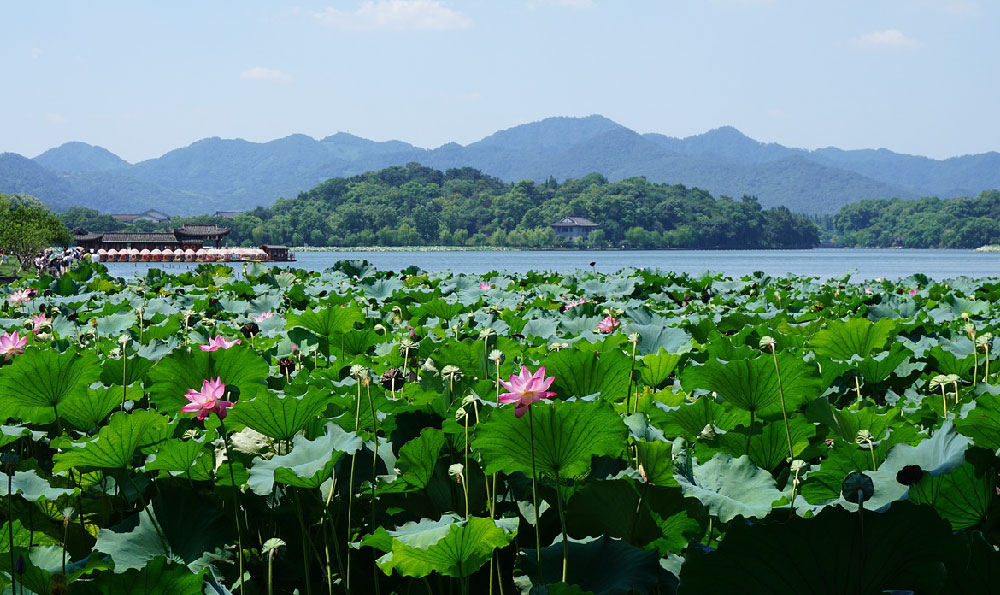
{"x":823,"y":262}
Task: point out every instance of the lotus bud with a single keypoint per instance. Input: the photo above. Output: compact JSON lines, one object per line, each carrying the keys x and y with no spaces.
{"x":456,"y":471}
{"x":496,"y":356}
{"x":767,"y":342}
{"x":965,"y":316}
{"x":68,"y":513}
{"x":428,"y":366}
{"x":359,"y":371}
{"x":486,"y":333}
{"x":124,"y":340}
{"x":633,"y":338}
{"x":43,"y":337}
{"x":970,"y":330}
{"x":983,"y":340}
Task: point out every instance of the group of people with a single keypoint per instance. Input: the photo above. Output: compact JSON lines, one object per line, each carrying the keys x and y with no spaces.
{"x":55,"y":262}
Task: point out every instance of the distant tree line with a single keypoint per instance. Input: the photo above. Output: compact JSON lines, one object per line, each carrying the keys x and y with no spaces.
{"x":923,"y":223}
{"x":27,"y":227}
{"x":416,"y":205}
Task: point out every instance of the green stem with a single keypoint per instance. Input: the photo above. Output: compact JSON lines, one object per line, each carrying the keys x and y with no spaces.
{"x":371,"y":522}
{"x":236,"y":499}
{"x":10,"y":526}
{"x":750,"y":432}
{"x":305,"y":547}
{"x":784,"y":413}
{"x":631,"y":372}
{"x":350,"y":489}
{"x":562,"y":521}
{"x":534,"y":491}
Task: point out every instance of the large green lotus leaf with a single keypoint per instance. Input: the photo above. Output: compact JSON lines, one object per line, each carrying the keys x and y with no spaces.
{"x":113,"y":325}
{"x":567,"y":436}
{"x":115,"y":443}
{"x":938,"y":454}
{"x":689,"y":419}
{"x":641,"y":514}
{"x":32,"y":488}
{"x":878,"y":368}
{"x":658,"y":367}
{"x":466,"y":546}
{"x":769,"y":443}
{"x":654,"y":337}
{"x":844,"y":339}
{"x":309,"y":463}
{"x":946,"y":361}
{"x":752,"y":385}
{"x":602,"y":565}
{"x":180,"y":525}
{"x":875,"y":420}
{"x":191,"y":459}
{"x":43,"y":378}
{"x":580,"y":373}
{"x":418,"y":457}
{"x":157,"y":577}
{"x":963,"y":496}
{"x":328,"y":322}
{"x":831,"y":553}
{"x":87,"y":410}
{"x":982,"y":423}
{"x":23,"y":537}
{"x":135,"y":370}
{"x":657,"y":463}
{"x":421,"y":534}
{"x":11,"y":434}
{"x":439,"y":308}
{"x":731,"y":487}
{"x":173,"y":375}
{"x":279,"y":416}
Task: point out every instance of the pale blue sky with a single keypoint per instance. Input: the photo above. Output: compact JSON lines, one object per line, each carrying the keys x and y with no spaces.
{"x":141,"y":78}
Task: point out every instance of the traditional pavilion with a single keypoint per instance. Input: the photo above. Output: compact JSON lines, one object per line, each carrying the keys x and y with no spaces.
{"x":574,"y":228}
{"x":186,"y":237}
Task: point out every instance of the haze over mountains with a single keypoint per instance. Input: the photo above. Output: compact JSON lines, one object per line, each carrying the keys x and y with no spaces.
{"x":236,"y":175}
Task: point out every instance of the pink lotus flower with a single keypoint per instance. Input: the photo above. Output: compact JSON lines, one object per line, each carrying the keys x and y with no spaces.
{"x":913,"y":291}
{"x":526,"y":388}
{"x":38,"y":320}
{"x":574,"y":304}
{"x":485,"y":285}
{"x":208,"y":399}
{"x":11,"y":345}
{"x":219,"y":342}
{"x":262,"y":317}
{"x":608,"y":325}
{"x":20,"y":296}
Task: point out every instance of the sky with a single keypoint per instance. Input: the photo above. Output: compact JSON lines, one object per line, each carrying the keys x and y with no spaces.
{"x":142,"y":78}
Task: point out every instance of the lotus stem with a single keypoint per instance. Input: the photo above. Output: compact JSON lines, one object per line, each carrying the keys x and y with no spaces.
{"x":371,"y":522}
{"x":124,"y":375}
{"x":944,"y":401}
{"x":534,"y":491}
{"x":10,"y":527}
{"x":750,"y":432}
{"x":270,"y":572}
{"x":465,"y":484}
{"x":333,"y":530}
{"x":784,"y":412}
{"x":955,"y":384}
{"x":631,"y":372}
{"x":350,"y":487}
{"x":236,"y":498}
{"x":562,"y":521}
{"x":305,"y":548}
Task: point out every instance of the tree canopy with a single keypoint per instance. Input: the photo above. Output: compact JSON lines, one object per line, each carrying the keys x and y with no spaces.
{"x":27,"y":226}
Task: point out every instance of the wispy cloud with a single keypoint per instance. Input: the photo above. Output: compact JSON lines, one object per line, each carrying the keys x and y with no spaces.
{"x":396,"y":15}
{"x":55,"y":119}
{"x":259,"y":73}
{"x":889,"y":39}
{"x":959,"y":7}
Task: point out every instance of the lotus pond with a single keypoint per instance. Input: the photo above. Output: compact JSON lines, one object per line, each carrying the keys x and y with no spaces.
{"x":364,"y":431}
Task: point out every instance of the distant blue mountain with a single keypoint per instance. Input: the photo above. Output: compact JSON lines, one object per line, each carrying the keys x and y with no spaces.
{"x":235,"y":175}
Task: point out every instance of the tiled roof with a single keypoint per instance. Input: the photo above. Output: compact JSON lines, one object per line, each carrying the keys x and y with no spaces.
{"x":121,"y":238}
{"x":577,"y":221}
{"x":201,"y":230}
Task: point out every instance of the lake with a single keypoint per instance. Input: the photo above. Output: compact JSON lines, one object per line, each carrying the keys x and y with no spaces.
{"x":822,"y":262}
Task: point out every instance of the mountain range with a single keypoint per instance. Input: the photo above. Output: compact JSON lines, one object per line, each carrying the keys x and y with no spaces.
{"x":216,"y":174}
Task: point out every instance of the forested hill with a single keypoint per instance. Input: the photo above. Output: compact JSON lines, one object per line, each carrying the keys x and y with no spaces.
{"x":237,"y":175}
{"x":924,"y":223}
{"x":415,"y":205}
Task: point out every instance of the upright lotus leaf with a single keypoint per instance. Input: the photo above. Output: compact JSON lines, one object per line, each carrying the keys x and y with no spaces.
{"x":657,"y":463}
{"x":116,"y":443}
{"x":844,"y":339}
{"x":691,"y":418}
{"x":964,"y":496}
{"x":114,"y":325}
{"x":769,"y":443}
{"x":459,"y":553}
{"x":982,"y":423}
{"x":32,"y":488}
{"x":439,"y":308}
{"x":309,"y":463}
{"x":87,"y":410}
{"x":179,"y":525}
{"x":654,"y":337}
{"x":173,"y":375}
{"x":641,"y":514}
{"x":752,"y":385}
{"x":191,"y":459}
{"x":602,"y":566}
{"x":11,"y":434}
{"x":657,"y":367}
{"x":831,"y":553}
{"x":418,"y":457}
{"x":280,"y":416}
{"x":44,"y":378}
{"x":567,"y":436}
{"x":135,"y":370}
{"x":874,"y":420}
{"x":157,"y":577}
{"x":731,"y":487}
{"x":581,"y":373}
